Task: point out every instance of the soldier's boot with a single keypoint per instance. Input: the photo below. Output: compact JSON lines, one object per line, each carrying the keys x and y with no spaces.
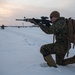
{"x":69,"y":61}
{"x":50,"y":61}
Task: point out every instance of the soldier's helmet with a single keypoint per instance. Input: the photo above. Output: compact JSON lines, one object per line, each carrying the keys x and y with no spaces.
{"x":55,"y":14}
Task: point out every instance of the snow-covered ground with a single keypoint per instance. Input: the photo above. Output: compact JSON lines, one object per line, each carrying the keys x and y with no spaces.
{"x":20,"y":53}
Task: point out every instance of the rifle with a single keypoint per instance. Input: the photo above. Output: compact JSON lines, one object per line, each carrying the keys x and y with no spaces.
{"x":43,"y":20}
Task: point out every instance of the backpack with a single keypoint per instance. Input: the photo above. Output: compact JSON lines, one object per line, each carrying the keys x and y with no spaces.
{"x":71,"y":30}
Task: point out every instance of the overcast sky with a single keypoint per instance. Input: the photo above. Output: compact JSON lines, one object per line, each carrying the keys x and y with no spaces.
{"x":12,"y":9}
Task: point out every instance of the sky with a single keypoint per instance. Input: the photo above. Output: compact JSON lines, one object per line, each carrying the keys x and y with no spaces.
{"x":12,"y":9}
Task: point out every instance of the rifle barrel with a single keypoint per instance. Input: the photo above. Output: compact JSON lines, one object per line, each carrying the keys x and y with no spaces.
{"x":20,"y":19}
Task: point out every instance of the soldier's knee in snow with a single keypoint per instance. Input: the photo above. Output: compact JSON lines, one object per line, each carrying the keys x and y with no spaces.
{"x":42,"y":49}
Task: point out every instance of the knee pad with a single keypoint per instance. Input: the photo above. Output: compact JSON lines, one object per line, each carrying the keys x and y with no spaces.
{"x":44,"y":51}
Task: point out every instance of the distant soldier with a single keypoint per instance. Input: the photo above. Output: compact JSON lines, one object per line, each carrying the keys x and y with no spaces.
{"x":2,"y":27}
{"x":61,"y":46}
